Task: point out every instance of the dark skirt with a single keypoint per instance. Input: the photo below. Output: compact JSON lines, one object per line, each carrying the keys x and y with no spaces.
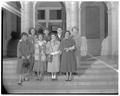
{"x":21,"y":69}
{"x":68,"y":62}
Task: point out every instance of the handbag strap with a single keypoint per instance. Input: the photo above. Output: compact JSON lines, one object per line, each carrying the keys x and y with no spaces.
{"x":51,"y":46}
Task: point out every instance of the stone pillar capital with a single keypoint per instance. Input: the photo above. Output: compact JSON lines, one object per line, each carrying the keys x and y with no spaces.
{"x":109,"y":7}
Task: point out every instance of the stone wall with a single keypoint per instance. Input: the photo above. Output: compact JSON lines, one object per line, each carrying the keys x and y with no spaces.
{"x":110,"y":43}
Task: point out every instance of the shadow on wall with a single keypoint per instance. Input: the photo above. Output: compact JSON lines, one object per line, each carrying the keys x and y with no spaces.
{"x":12,"y":44}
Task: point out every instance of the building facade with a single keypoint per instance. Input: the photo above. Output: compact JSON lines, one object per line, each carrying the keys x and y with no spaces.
{"x":97,"y":21}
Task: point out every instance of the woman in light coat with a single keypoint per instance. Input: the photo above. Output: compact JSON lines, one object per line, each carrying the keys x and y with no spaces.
{"x":76,"y":38}
{"x":52,"y":48}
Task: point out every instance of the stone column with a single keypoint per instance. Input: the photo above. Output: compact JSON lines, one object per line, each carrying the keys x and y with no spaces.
{"x":107,"y":42}
{"x":109,"y":48}
{"x":68,"y":15}
{"x":110,"y":44}
{"x":74,"y":14}
{"x":115,"y":28}
{"x":26,"y":16}
{"x":79,"y":24}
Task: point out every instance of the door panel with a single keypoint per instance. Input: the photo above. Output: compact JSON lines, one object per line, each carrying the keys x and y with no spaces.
{"x":92,"y":25}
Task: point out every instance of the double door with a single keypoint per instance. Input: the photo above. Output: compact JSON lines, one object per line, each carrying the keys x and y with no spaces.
{"x":50,"y":18}
{"x":93,"y":25}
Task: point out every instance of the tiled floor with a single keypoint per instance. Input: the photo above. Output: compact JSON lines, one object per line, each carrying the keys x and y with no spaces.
{"x":92,"y":77}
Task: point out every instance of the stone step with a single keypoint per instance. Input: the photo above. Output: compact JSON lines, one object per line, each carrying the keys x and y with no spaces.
{"x":91,"y":78}
{"x":79,"y":71}
{"x":61,"y":83}
{"x":64,"y":86}
{"x":72,"y":91}
{"x":86,"y":65}
{"x":78,"y":77}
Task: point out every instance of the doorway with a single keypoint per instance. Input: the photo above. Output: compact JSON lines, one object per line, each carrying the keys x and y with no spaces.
{"x":94,"y":25}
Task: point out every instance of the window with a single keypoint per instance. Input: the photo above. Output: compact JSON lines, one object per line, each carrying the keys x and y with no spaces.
{"x":41,"y":14}
{"x":55,"y":14}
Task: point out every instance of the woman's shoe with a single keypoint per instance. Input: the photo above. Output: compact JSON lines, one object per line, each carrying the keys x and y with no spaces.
{"x":53,"y":79}
{"x":67,"y":79}
{"x":37,"y":78}
{"x":70,"y":78}
{"x":27,"y":79}
{"x":23,"y":80}
{"x":40,"y":78}
{"x":20,"y":83}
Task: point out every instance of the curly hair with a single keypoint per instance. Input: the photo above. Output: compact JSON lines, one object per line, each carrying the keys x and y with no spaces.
{"x":31,"y":29}
{"x":24,"y":33}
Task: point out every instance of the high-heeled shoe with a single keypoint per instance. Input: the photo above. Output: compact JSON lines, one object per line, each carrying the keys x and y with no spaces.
{"x":70,"y":78}
{"x":40,"y":78}
{"x":20,"y":83}
{"x":27,"y":79}
{"x":67,"y":79}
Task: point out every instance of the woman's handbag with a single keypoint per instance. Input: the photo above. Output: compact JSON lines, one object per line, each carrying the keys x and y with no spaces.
{"x":49,"y":58}
{"x":26,"y":62}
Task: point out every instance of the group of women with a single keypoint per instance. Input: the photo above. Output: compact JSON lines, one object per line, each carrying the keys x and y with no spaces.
{"x":44,"y":52}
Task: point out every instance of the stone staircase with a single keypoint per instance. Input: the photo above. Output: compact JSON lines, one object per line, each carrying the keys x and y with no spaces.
{"x":91,"y":77}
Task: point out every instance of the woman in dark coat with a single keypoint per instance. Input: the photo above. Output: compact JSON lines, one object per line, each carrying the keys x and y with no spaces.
{"x":68,"y":61}
{"x":32,"y":33}
{"x":31,"y":38}
{"x":25,"y":52}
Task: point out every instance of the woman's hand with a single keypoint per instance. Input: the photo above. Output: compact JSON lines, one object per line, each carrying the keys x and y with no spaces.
{"x":60,"y":52}
{"x":72,"y":48}
{"x":55,"y":53}
{"x":67,"y":49}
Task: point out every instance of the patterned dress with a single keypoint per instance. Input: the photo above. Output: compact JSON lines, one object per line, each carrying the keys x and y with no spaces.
{"x":40,"y":48}
{"x":46,"y":38}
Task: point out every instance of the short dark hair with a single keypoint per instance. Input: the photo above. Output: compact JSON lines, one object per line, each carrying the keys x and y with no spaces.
{"x":53,"y":33}
{"x":40,"y":34}
{"x":24,"y":33}
{"x":68,"y":32}
{"x":31,"y":29}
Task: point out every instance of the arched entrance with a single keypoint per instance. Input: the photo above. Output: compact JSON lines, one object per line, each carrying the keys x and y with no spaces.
{"x":50,"y":15}
{"x":94,"y":25}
